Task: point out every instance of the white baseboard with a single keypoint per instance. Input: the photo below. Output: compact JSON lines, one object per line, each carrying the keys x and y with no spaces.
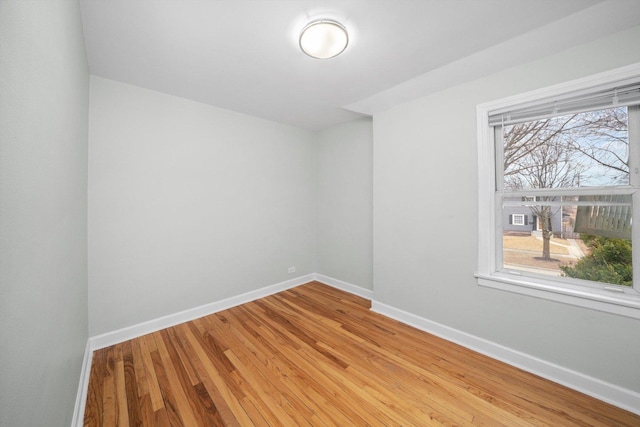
{"x":110,"y":338}
{"x":344,"y":286}
{"x":611,"y":393}
{"x":83,"y":388}
{"x":134,"y":331}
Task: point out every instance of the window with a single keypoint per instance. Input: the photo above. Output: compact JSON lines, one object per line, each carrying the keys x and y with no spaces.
{"x":518,"y":219}
{"x":559,"y":174}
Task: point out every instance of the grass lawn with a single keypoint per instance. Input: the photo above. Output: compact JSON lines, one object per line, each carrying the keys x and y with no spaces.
{"x":530,"y":243}
{"x":527,"y":251}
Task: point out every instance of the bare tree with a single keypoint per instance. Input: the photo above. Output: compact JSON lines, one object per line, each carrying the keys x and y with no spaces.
{"x":548,"y":165}
{"x":521,"y":140}
{"x":602,"y":137}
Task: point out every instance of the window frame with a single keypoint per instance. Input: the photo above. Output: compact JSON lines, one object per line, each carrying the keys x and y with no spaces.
{"x":599,"y":296}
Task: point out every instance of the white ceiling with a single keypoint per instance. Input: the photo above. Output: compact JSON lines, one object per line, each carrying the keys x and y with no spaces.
{"x":243,"y":55}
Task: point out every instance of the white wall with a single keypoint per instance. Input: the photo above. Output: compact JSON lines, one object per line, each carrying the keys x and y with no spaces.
{"x":425,"y":226}
{"x":44,"y":99}
{"x":190,"y":204}
{"x":344,"y":195}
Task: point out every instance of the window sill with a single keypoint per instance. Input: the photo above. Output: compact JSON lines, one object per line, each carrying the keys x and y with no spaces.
{"x":596,"y":299}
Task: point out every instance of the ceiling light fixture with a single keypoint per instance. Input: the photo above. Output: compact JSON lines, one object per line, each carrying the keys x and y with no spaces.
{"x":324,"y":39}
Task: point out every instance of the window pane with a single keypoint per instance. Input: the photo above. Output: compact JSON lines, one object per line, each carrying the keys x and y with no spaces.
{"x":577,"y":150}
{"x":586,"y":237}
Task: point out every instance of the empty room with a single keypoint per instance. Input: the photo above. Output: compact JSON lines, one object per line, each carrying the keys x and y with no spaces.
{"x":279,"y":212}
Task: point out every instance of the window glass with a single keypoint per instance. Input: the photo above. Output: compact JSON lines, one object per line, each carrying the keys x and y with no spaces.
{"x":586,"y":238}
{"x":578,"y":236}
{"x":577,"y":150}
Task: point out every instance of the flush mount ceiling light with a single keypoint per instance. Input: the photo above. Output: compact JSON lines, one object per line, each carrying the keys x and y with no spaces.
{"x":324,"y":39}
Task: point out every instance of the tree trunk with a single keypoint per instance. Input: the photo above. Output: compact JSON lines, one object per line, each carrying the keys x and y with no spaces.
{"x":546,"y":240}
{"x":546,"y":235}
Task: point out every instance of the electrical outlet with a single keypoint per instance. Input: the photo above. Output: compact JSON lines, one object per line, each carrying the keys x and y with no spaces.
{"x":292,"y":270}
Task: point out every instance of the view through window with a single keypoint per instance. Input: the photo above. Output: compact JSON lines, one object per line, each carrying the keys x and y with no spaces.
{"x":565,"y":212}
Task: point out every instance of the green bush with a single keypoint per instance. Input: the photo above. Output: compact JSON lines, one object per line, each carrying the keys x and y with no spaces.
{"x":609,"y":262}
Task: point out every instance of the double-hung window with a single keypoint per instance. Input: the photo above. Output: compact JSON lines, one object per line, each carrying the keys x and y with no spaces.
{"x":518,"y":219}
{"x":567,"y":158}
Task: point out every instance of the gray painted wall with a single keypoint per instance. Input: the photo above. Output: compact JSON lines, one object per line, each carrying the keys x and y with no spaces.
{"x":425,"y":169}
{"x":44,"y":96}
{"x":344,"y":197}
{"x":190,"y":204}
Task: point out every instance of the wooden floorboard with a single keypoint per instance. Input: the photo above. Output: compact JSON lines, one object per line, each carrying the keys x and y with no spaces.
{"x":317,"y":356}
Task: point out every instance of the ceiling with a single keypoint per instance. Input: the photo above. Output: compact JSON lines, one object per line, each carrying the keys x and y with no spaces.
{"x":243,"y":55}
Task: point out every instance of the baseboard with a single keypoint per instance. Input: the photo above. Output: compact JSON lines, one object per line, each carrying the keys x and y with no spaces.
{"x":83,"y":387}
{"x":344,"y":286}
{"x":134,"y":331}
{"x":610,"y":393}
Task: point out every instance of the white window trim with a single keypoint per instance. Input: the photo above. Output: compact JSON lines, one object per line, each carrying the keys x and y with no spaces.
{"x":606,"y":299}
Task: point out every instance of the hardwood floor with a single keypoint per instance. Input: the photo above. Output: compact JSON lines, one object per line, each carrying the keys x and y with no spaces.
{"x":317,"y":356}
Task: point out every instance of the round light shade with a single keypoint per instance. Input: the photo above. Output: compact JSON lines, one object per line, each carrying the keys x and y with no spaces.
{"x":324,"y":39}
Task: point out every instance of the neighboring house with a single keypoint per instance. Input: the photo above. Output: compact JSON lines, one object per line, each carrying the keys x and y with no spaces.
{"x":523,"y":219}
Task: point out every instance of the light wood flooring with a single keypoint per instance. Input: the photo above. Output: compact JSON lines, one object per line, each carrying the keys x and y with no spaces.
{"x":316,"y":356}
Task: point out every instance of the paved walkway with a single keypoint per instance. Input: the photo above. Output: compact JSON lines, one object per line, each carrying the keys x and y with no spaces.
{"x":575,"y":249}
